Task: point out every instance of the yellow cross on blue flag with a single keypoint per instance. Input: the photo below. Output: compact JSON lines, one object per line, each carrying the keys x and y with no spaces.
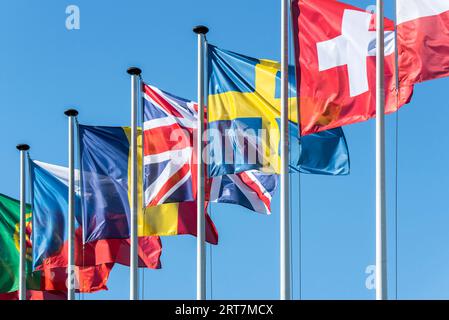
{"x":244,"y":121}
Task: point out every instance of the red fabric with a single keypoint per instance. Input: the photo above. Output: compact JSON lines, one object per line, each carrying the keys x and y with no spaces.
{"x":87,"y":279}
{"x":423,"y":46}
{"x":35,"y":295}
{"x":187,"y":222}
{"x":108,"y":251}
{"x":325,"y":100}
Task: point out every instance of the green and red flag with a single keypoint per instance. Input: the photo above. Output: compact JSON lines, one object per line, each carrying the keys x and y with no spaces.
{"x":50,"y":281}
{"x":9,"y":244}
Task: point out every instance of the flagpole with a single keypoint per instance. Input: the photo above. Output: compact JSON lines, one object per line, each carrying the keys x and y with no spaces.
{"x":285,"y":259}
{"x":23,"y":148}
{"x":201,"y":31}
{"x":133,"y":265}
{"x":71,"y":114}
{"x":381,"y":228}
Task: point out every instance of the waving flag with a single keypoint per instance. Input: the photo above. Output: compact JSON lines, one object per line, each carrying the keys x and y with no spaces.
{"x":105,"y":166}
{"x":251,"y":189}
{"x":246,"y":189}
{"x":335,"y":57}
{"x":50,"y":203}
{"x":423,"y":40}
{"x":244,"y":96}
{"x":169,"y":122}
{"x":49,"y":283}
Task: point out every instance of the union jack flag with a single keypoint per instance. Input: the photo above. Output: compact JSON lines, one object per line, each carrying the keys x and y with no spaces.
{"x":168,"y":129}
{"x":251,"y":189}
{"x":170,"y":163}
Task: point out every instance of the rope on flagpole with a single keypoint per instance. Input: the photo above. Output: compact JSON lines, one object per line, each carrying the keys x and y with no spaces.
{"x":290,"y":107}
{"x":211,"y":262}
{"x":396,"y":202}
{"x":143,"y":206}
{"x":398,"y":92}
{"x":81,"y":295}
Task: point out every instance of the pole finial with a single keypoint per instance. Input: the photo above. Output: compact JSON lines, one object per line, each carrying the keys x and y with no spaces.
{"x":201,"y":29}
{"x":71,"y":112}
{"x":134,"y":71}
{"x":23,"y":147}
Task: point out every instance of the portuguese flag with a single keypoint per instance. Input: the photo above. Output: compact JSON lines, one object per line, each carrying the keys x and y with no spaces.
{"x":9,"y":244}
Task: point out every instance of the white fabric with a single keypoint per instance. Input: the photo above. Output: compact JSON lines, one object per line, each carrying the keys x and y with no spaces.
{"x":351,"y":48}
{"x":408,"y":10}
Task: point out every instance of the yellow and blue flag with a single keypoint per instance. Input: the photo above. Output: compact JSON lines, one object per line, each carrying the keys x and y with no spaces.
{"x":244,"y":121}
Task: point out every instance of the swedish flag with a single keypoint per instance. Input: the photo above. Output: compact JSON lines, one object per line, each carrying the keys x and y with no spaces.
{"x":244,"y":100}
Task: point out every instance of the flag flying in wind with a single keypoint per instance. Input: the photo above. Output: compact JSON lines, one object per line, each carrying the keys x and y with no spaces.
{"x":244,"y":120}
{"x":336,"y":63}
{"x":50,"y":203}
{"x":105,"y":167}
{"x":163,"y":118}
{"x":251,"y":189}
{"x":40,"y":285}
{"x":9,"y":244}
{"x":423,"y":40}
{"x":169,"y":124}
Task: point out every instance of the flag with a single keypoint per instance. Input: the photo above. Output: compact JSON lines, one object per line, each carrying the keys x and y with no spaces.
{"x":167,"y":119}
{"x":335,"y":46}
{"x":35,"y":295}
{"x":96,"y":258}
{"x":9,"y":244}
{"x":251,"y":189}
{"x":423,"y":40}
{"x":169,"y":164}
{"x":49,"y":283}
{"x":105,"y":166}
{"x":244,"y":97}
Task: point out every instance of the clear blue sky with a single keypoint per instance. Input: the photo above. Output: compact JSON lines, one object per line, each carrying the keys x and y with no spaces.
{"x":45,"y":68}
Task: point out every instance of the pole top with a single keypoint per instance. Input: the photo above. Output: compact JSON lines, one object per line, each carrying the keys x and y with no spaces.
{"x":201,"y":29}
{"x":23,"y":147}
{"x":134,"y":71}
{"x":71,"y":113}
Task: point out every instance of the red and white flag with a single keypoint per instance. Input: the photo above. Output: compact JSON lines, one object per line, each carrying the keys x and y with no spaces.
{"x":423,"y":40}
{"x":336,"y":65}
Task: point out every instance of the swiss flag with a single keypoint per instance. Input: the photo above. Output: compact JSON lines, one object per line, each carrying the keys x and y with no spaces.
{"x":423,"y":40}
{"x":336,"y":65}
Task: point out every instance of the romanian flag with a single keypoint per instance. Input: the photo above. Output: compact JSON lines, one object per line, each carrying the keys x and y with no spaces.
{"x":105,"y":171}
{"x":244,"y":112}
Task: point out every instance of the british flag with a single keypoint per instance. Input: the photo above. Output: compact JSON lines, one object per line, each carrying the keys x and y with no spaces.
{"x":251,"y":189}
{"x":169,"y":124}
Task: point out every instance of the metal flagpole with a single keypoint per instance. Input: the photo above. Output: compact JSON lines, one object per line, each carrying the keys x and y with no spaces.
{"x":133,"y":265}
{"x":71,"y":114}
{"x":201,"y":31}
{"x":381,"y":228}
{"x":23,"y":148}
{"x":285,"y":258}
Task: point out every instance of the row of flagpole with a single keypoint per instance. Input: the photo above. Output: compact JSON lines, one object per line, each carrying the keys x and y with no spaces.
{"x":285,"y":216}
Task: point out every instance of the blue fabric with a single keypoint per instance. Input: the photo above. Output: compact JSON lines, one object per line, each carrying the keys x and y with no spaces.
{"x":232,"y":189}
{"x":50,"y":203}
{"x":324,"y":153}
{"x":240,"y":136}
{"x":229,"y":71}
{"x":104,"y":182}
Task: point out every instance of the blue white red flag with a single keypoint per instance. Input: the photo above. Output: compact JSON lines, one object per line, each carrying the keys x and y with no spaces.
{"x":170,"y":159}
{"x":169,"y":124}
{"x":250,"y":189}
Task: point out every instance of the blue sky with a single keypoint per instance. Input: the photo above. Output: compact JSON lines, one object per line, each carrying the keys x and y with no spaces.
{"x":47,"y":68}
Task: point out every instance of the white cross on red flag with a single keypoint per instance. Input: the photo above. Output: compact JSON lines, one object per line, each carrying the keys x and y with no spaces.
{"x":336,"y":65}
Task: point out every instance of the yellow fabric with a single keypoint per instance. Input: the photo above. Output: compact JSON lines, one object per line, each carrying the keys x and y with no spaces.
{"x":261,"y":103}
{"x":155,"y":221}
